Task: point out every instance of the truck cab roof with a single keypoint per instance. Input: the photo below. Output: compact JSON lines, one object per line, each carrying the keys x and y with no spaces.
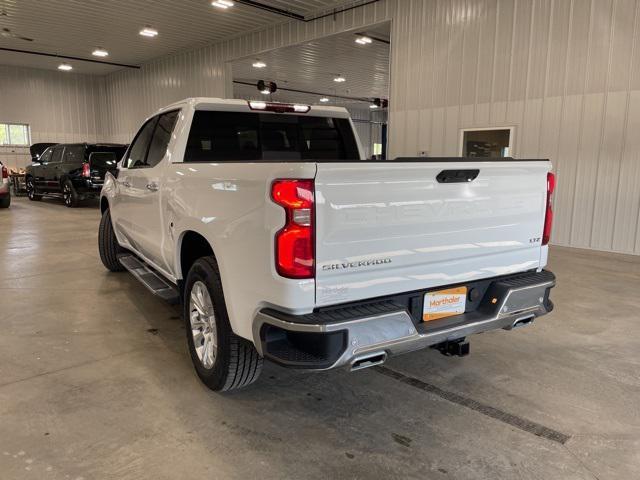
{"x":237,"y":105}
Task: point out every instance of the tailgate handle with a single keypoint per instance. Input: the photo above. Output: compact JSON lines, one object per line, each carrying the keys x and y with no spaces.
{"x":457,"y":176}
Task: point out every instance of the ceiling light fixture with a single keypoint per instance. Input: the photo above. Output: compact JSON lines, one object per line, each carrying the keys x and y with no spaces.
{"x":259,"y":64}
{"x":324,"y":99}
{"x":373,"y":106}
{"x":100,"y":52}
{"x":364,"y":40}
{"x":147,"y":31}
{"x":224,"y":4}
{"x":266,"y":91}
{"x":65,"y":67}
{"x":339,"y":79}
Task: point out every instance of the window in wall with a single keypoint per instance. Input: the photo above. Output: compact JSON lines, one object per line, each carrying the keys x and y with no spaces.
{"x":14,"y":134}
{"x":483,"y":143}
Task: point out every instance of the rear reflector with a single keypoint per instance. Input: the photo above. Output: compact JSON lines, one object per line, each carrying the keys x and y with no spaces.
{"x":278,"y":107}
{"x":295,"y":256}
{"x":548,"y":217}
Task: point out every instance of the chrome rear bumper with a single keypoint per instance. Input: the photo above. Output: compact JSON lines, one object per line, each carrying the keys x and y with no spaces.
{"x":369,"y":339}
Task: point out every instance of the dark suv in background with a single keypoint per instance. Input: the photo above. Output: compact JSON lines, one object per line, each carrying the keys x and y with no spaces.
{"x":74,"y":170}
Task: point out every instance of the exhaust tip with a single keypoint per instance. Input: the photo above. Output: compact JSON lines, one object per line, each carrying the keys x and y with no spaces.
{"x":523,"y":322}
{"x":368,"y":361}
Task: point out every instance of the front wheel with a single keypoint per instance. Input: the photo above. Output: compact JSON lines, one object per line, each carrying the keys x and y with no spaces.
{"x":69,"y":194}
{"x":108,"y":244}
{"x":31,"y":190}
{"x":222,"y":360}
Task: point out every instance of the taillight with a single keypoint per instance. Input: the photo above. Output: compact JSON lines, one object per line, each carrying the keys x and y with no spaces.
{"x":548,"y":217}
{"x":86,"y":170}
{"x":5,"y":172}
{"x":295,"y":257}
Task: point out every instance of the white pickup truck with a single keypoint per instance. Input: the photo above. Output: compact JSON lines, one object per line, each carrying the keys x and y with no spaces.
{"x":283,"y":243}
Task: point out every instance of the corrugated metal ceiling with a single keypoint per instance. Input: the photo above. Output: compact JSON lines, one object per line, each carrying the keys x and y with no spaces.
{"x":75,"y":27}
{"x":312,"y":66}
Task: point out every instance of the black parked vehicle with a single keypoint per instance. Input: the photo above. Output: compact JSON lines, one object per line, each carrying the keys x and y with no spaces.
{"x":74,"y":170}
{"x":38,"y":149}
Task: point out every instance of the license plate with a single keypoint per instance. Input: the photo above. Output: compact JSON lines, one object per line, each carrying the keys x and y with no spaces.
{"x":444,"y":303}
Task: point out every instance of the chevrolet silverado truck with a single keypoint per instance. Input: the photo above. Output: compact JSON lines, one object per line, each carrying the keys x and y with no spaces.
{"x":282,"y":243}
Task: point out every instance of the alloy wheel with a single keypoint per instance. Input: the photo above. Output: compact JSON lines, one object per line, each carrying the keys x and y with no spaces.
{"x":203,"y":324}
{"x":66,"y":193}
{"x":30,"y":189}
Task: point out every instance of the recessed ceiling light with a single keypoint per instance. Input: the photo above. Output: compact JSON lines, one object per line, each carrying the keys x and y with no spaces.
{"x":224,"y":4}
{"x":324,"y":99}
{"x":266,"y":91}
{"x":373,"y":106}
{"x":148,"y":32}
{"x":65,"y":67}
{"x":364,"y":40}
{"x":339,"y":79}
{"x":100,"y":52}
{"x":259,"y":64}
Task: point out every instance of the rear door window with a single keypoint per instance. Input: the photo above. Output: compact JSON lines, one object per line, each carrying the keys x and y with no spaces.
{"x":137,"y":154}
{"x":74,"y":154}
{"x":56,"y":156}
{"x":161,"y":138}
{"x":234,"y":136}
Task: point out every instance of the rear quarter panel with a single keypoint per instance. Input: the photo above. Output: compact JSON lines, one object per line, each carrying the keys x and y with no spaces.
{"x":229,"y":204}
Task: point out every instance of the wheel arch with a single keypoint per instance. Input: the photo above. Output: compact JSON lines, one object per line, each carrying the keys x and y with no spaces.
{"x":104,"y":204}
{"x":191,"y":246}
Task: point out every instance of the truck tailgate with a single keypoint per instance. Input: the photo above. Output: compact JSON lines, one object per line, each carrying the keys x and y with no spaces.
{"x":392,"y":227}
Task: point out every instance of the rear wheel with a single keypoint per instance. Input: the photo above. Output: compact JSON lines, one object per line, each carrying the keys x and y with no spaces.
{"x":5,"y":201}
{"x":222,"y":360}
{"x":31,"y":190}
{"x":69,"y":194}
{"x":108,"y":244}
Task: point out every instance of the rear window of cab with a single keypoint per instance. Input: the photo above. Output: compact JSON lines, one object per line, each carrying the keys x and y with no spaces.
{"x":238,"y":136}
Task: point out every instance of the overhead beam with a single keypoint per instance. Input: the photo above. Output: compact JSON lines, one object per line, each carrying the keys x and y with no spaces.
{"x":297,"y":16}
{"x":68,"y":57}
{"x":309,"y":92}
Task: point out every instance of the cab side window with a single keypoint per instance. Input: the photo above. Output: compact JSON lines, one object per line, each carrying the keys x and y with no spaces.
{"x":137,"y":154}
{"x":161,"y":138}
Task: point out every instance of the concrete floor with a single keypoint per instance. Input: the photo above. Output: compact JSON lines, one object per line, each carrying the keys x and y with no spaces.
{"x":95,"y":382}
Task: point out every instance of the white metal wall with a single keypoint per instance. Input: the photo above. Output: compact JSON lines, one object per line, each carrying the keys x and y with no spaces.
{"x":565,"y":73}
{"x":59,"y":107}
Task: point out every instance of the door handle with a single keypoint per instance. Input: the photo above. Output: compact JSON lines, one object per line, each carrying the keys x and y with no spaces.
{"x":457,"y":176}
{"x":125,"y":184}
{"x":153,"y":186}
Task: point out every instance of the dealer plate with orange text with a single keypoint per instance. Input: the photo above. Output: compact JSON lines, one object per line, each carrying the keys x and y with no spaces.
{"x":444,"y":303}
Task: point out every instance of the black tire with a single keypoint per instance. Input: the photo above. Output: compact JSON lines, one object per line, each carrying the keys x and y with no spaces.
{"x":5,"y":202}
{"x":32,"y":193}
{"x":69,"y":194}
{"x":237,"y":362}
{"x":108,"y":244}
